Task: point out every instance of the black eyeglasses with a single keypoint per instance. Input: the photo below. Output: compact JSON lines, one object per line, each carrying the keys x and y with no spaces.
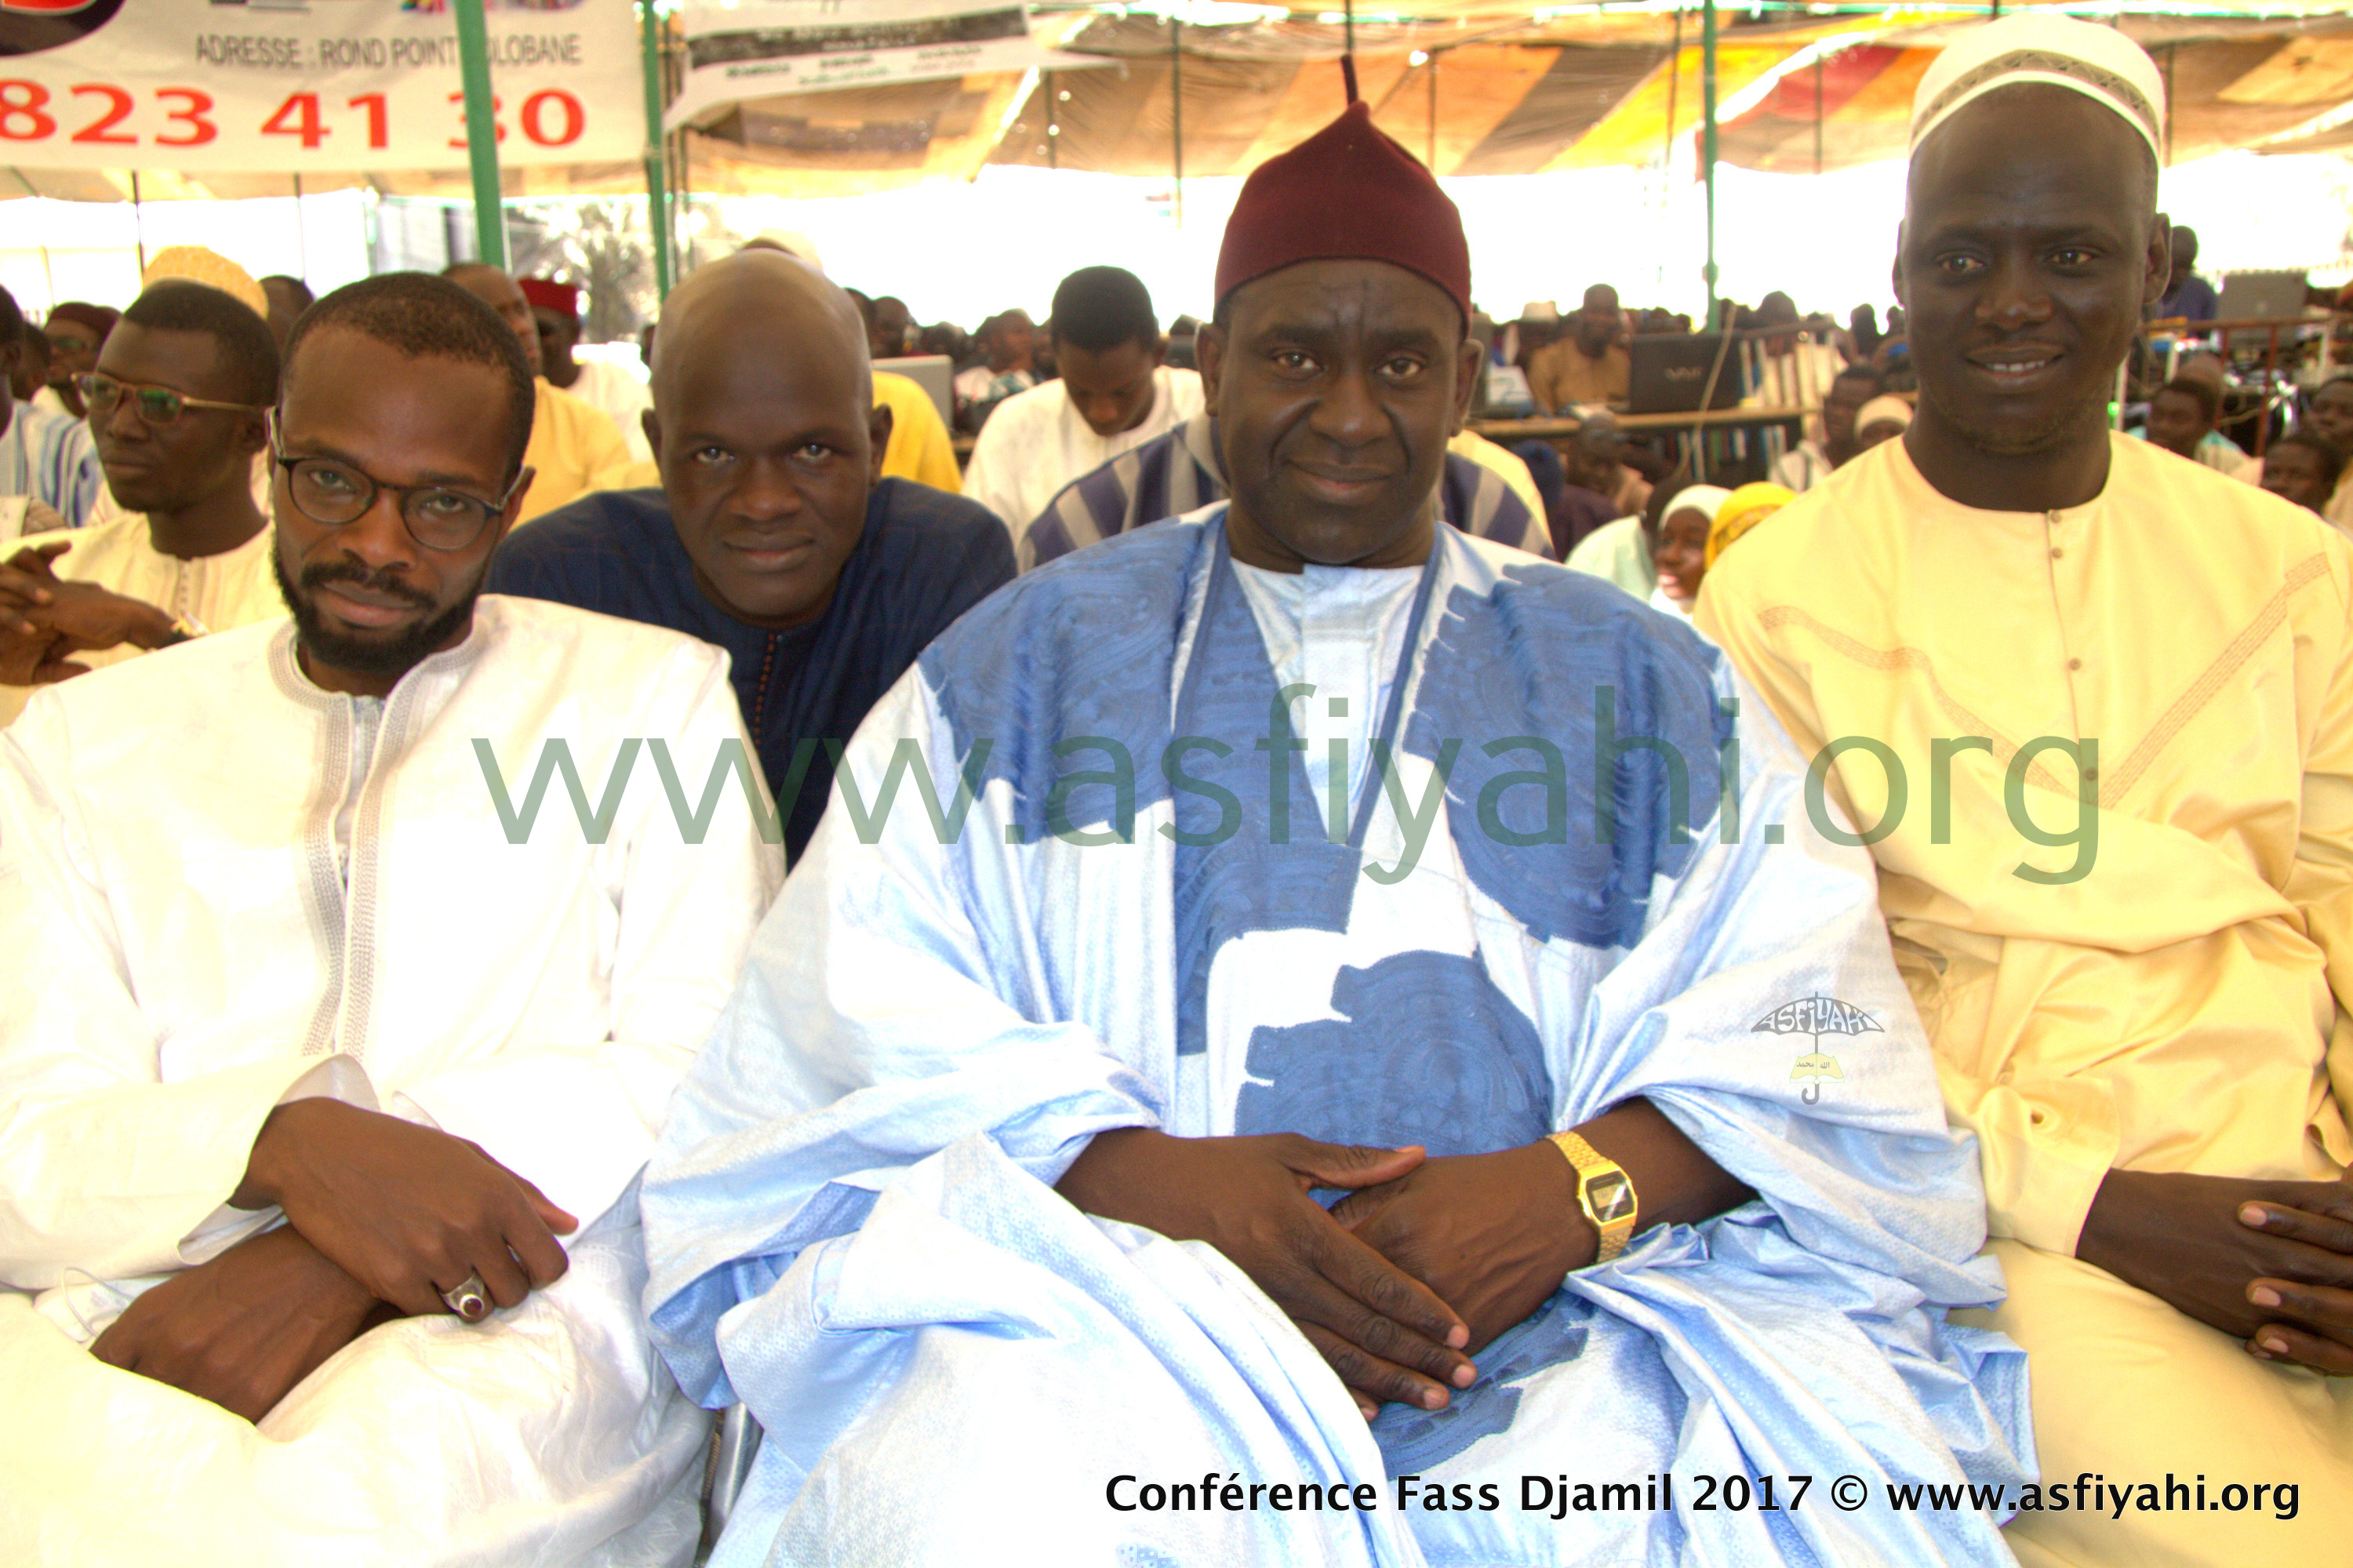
{"x":436,"y":516}
{"x":155,"y":405}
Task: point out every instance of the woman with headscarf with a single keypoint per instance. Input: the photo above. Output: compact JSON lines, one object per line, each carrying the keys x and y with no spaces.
{"x":1743,"y":510}
{"x":1880,"y":420}
{"x":1677,"y":521}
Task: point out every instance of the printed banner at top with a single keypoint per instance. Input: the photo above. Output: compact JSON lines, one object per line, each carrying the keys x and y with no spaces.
{"x":293,"y":86}
{"x":811,"y":46}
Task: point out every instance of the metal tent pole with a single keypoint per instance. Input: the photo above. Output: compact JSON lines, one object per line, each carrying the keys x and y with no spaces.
{"x":1707,"y":138}
{"x":481,"y":133}
{"x":1675,"y":83}
{"x":1818,"y":114}
{"x":2168,"y":109}
{"x":1667,"y":151}
{"x":1176,"y":110}
{"x":685,"y":204}
{"x":1432,"y":159}
{"x":139,"y":226}
{"x":657,"y":197}
{"x":301,"y":232}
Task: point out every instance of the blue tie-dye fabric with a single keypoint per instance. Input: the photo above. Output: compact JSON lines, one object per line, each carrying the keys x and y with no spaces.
{"x":1433,"y":1020}
{"x":850,"y":1217}
{"x":1229,"y":883}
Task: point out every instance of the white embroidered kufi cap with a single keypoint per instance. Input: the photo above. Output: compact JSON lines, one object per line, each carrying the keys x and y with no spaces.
{"x":1890,"y":409}
{"x":2099,"y":62}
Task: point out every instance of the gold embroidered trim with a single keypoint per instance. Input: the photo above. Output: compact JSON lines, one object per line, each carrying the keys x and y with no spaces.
{"x":2117,"y":782}
{"x":1910,"y":660}
{"x":2202,"y":691}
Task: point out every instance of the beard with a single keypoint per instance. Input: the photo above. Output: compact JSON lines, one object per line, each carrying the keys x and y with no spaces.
{"x":2018,"y":439}
{"x":388,"y":658}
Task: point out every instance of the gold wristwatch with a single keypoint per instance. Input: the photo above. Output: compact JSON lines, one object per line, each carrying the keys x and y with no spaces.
{"x":1604,"y":1192}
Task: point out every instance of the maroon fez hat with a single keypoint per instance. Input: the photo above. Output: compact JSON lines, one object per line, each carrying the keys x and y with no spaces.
{"x":99,"y":319}
{"x":1347,"y":193}
{"x":547,"y":294}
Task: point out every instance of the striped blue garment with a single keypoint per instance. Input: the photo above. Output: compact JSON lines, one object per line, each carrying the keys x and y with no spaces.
{"x":1176,"y":472}
{"x":48,"y":457}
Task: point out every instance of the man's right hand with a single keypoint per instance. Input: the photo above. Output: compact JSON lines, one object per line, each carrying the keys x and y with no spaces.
{"x":406,"y":1210}
{"x":2213,"y":1246}
{"x":25,"y":647}
{"x":1386,"y":1335}
{"x":67,"y":616}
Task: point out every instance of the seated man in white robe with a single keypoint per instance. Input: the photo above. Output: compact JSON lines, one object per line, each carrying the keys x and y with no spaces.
{"x":1113,"y":394}
{"x":1302,"y":843}
{"x":326,"y":1069}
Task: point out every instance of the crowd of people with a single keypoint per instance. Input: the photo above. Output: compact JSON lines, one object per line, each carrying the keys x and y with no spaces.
{"x":1251,"y":942}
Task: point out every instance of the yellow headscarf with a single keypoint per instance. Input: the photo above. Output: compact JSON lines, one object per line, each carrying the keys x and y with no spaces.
{"x":1743,"y":510}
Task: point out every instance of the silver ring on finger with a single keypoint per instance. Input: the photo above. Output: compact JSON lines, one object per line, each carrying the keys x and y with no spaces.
{"x":470,"y":1299}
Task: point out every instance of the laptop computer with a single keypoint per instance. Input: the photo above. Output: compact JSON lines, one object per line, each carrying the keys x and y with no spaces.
{"x":2260,"y":296}
{"x":1671,"y":372}
{"x":935,"y":373}
{"x":1504,"y":393}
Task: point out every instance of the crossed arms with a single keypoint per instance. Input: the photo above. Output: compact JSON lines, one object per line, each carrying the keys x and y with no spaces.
{"x":382,"y":1215}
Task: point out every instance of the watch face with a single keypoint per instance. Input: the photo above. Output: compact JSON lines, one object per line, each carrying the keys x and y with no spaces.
{"x":1612,"y":1197}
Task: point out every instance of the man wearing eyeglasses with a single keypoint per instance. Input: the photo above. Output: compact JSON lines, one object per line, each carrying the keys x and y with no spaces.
{"x":325,"y":1087}
{"x":177,"y":407}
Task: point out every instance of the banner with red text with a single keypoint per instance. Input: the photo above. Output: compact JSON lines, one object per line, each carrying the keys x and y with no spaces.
{"x":296,"y":86}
